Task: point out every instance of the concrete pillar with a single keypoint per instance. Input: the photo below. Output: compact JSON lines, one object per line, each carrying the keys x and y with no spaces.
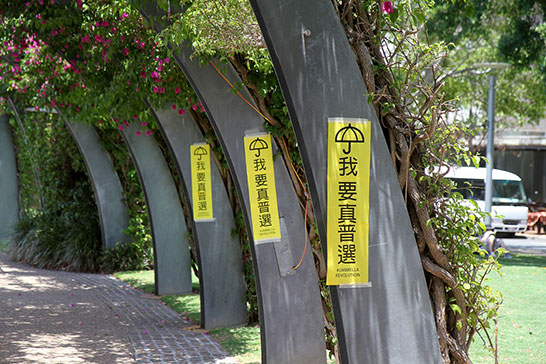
{"x":171,"y":248}
{"x":390,"y":321}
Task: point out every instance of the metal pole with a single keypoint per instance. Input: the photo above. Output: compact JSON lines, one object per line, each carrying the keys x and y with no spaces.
{"x":490,"y":149}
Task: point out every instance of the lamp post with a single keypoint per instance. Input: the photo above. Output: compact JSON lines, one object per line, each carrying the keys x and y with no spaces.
{"x":490,"y":147}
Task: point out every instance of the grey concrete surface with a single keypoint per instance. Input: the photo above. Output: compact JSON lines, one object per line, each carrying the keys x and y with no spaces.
{"x":528,"y":243}
{"x":291,"y":318}
{"x":221,"y":282}
{"x":171,"y":247}
{"x":9,"y":195}
{"x":53,"y":317}
{"x":113,"y":213}
{"x":391,"y":321}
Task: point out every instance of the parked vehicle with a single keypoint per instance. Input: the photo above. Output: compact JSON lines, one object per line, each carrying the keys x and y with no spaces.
{"x":509,"y":205}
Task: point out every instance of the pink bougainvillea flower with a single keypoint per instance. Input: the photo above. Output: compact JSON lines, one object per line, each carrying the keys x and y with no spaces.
{"x":177,"y":90}
{"x":194,"y":107}
{"x":174,"y":107}
{"x":386,"y":7}
{"x":154,"y":74}
{"x":156,"y":89}
{"x":148,"y":132}
{"x":181,"y":111}
{"x":162,"y":90}
{"x":202,"y":109}
{"x":125,"y":51}
{"x":143,"y":123}
{"x":139,"y":134}
{"x":135,"y":116}
{"x":120,"y":126}
{"x":143,"y":74}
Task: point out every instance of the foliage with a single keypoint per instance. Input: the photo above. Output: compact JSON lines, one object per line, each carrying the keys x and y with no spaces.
{"x":403,"y":72}
{"x":494,"y":31}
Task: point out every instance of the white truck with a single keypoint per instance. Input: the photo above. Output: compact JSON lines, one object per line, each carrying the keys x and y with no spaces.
{"x":509,"y":206}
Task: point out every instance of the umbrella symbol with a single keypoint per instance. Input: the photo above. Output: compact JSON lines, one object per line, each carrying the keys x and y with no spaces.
{"x":258,"y":144}
{"x":200,"y":151}
{"x":349,"y":135}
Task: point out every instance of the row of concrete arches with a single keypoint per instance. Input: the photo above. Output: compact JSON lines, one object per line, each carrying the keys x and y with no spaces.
{"x":389,"y":321}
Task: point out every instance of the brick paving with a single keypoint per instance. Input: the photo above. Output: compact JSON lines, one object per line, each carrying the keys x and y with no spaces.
{"x":59,"y":317}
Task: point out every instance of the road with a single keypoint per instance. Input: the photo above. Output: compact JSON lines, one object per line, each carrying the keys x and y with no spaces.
{"x":529,"y":243}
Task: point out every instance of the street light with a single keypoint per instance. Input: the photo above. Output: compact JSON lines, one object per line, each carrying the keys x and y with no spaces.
{"x":490,"y":69}
{"x":490,"y":147}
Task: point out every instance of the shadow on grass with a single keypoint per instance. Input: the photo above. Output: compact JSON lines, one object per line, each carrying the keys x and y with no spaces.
{"x":524,"y":260}
{"x":239,"y":341}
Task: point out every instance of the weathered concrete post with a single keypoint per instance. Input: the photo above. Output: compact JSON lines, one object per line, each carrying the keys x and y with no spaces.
{"x":9,"y":189}
{"x":113,"y":214}
{"x":171,"y":248}
{"x":390,"y":321}
{"x":221,"y":281}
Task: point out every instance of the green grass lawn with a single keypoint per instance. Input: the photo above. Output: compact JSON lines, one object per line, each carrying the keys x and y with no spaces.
{"x":522,"y":317}
{"x":240,"y":342}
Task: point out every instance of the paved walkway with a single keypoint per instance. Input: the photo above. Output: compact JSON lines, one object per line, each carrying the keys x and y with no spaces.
{"x":70,"y":318}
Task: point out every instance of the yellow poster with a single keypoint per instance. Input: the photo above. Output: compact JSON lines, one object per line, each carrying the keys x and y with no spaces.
{"x":348,"y":190}
{"x":201,"y":183}
{"x":261,"y":188}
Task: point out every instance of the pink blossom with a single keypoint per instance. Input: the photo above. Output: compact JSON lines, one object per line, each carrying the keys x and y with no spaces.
{"x":120,"y":126}
{"x":148,"y":132}
{"x":154,"y":74}
{"x":156,"y":89}
{"x":386,"y":7}
{"x":143,"y":123}
{"x":202,"y":109}
{"x":135,"y":116}
{"x":174,"y":107}
{"x":124,"y":15}
{"x":125,"y":51}
{"x":143,"y":74}
{"x":194,"y":107}
{"x":182,"y":111}
{"x":38,"y":16}
{"x":137,"y":133}
{"x":177,"y":90}
{"x":162,"y":90}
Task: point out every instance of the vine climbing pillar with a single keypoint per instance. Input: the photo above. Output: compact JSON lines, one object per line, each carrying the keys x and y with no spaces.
{"x":389,"y":319}
{"x":289,"y":302}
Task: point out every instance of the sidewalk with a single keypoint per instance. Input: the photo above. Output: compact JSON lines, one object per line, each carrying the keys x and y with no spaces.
{"x":69,"y":318}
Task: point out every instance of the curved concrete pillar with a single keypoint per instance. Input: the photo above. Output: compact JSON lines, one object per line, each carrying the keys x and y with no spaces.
{"x":114,"y":217}
{"x":222,"y":285}
{"x":391,"y":321}
{"x":171,"y":248}
{"x":289,"y":302}
{"x":9,"y":189}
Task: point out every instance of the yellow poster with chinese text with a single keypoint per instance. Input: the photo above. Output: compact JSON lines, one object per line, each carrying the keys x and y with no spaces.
{"x":261,"y":188}
{"x":348,"y":190}
{"x":201,"y":184}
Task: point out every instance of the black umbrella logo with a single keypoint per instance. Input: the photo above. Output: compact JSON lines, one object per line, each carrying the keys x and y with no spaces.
{"x":258,"y":144}
{"x":349,"y":135}
{"x":200,"y":151}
